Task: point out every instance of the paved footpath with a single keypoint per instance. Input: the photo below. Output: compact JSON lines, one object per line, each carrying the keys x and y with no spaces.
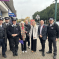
{"x":29,"y":54}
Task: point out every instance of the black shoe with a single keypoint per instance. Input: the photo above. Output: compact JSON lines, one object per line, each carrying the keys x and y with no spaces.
{"x":43,"y":54}
{"x":48,"y":52}
{"x":13,"y":54}
{"x":4,"y":56}
{"x":40,"y":50}
{"x":16,"y":54}
{"x":54,"y":57}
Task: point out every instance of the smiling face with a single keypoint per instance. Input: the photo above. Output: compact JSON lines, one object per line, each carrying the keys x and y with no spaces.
{"x":41,"y":22}
{"x":51,"y":21}
{"x":7,"y":21}
{"x":33,"y":23}
{"x":22,"y":24}
{"x":26,"y":22}
{"x":14,"y":22}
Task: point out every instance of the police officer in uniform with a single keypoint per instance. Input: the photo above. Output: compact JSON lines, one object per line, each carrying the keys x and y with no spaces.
{"x":52,"y":36}
{"x":14,"y":32}
{"x":2,"y":37}
{"x":6,"y":24}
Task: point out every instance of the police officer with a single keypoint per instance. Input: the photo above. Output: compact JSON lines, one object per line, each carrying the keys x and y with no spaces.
{"x":27,"y":35}
{"x":52,"y":36}
{"x":2,"y":37}
{"x":14,"y":32}
{"x":6,"y":24}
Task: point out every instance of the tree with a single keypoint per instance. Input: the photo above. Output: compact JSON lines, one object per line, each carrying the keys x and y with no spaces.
{"x":48,"y":12}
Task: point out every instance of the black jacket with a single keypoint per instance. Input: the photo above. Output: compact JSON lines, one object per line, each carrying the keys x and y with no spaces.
{"x":28,"y":27}
{"x":53,"y":31}
{"x":6,"y":29}
{"x":14,"y":30}
{"x":2,"y":32}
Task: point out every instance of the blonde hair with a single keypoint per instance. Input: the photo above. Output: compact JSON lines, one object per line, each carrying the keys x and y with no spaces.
{"x":35,"y":23}
{"x":22,"y":21}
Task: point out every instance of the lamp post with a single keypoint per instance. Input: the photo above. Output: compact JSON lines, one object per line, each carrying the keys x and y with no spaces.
{"x":55,"y":10}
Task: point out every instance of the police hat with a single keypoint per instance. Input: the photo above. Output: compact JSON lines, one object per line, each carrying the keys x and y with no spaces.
{"x":1,"y":18}
{"x":51,"y":19}
{"x":7,"y":18}
{"x":14,"y":19}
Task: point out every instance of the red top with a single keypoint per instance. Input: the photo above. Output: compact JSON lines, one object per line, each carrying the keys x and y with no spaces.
{"x":22,"y":28}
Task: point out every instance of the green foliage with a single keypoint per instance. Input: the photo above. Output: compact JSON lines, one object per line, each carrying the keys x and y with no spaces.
{"x":48,"y":12}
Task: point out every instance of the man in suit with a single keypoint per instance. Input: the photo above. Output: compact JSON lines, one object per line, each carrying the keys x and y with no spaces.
{"x":42,"y":32}
{"x":53,"y":33}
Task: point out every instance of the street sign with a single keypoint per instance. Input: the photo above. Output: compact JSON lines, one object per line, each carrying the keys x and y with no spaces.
{"x":4,"y":0}
{"x":12,"y":15}
{"x":37,"y":17}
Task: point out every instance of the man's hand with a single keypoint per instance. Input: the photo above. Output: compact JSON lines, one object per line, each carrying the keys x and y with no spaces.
{"x":25,"y":31}
{"x":56,"y":39}
{"x":41,"y":36}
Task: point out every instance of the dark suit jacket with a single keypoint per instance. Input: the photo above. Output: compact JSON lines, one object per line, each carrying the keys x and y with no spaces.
{"x":44,"y":32}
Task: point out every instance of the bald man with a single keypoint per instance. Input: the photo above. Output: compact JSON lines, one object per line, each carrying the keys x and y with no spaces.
{"x":42,"y":32}
{"x":27,"y":35}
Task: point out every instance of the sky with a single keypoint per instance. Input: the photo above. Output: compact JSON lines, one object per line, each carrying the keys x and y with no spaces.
{"x":26,"y":8}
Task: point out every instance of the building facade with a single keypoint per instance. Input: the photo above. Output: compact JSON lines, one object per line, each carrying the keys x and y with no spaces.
{"x":6,"y":7}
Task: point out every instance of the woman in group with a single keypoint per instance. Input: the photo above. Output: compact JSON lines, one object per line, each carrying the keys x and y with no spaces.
{"x":33,"y":35}
{"x":23,"y":34}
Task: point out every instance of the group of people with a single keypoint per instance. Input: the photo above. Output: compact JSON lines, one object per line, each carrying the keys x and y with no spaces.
{"x":15,"y":33}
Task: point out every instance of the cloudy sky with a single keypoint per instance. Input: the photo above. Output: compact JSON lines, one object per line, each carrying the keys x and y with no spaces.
{"x":29,"y":7}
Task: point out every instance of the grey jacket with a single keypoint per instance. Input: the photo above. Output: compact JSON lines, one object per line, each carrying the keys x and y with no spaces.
{"x":44,"y":32}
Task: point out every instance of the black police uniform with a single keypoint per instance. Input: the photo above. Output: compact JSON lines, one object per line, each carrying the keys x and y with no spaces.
{"x":14,"y":41}
{"x":27,"y":35}
{"x":6,"y":34}
{"x":2,"y":38}
{"x":53,"y":33}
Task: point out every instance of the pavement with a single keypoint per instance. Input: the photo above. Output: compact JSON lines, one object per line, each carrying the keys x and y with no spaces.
{"x":29,"y":54}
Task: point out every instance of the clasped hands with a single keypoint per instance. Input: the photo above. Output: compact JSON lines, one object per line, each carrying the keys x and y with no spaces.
{"x":14,"y":35}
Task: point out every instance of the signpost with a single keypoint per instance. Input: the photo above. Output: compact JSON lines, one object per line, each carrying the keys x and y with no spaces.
{"x":55,"y":10}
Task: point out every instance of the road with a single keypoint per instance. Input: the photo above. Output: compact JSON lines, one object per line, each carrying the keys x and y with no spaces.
{"x":29,"y":54}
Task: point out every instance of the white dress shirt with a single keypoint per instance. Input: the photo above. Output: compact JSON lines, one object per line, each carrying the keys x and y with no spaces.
{"x":0,"y":25}
{"x":7,"y":23}
{"x":41,"y":29}
{"x":51,"y":24}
